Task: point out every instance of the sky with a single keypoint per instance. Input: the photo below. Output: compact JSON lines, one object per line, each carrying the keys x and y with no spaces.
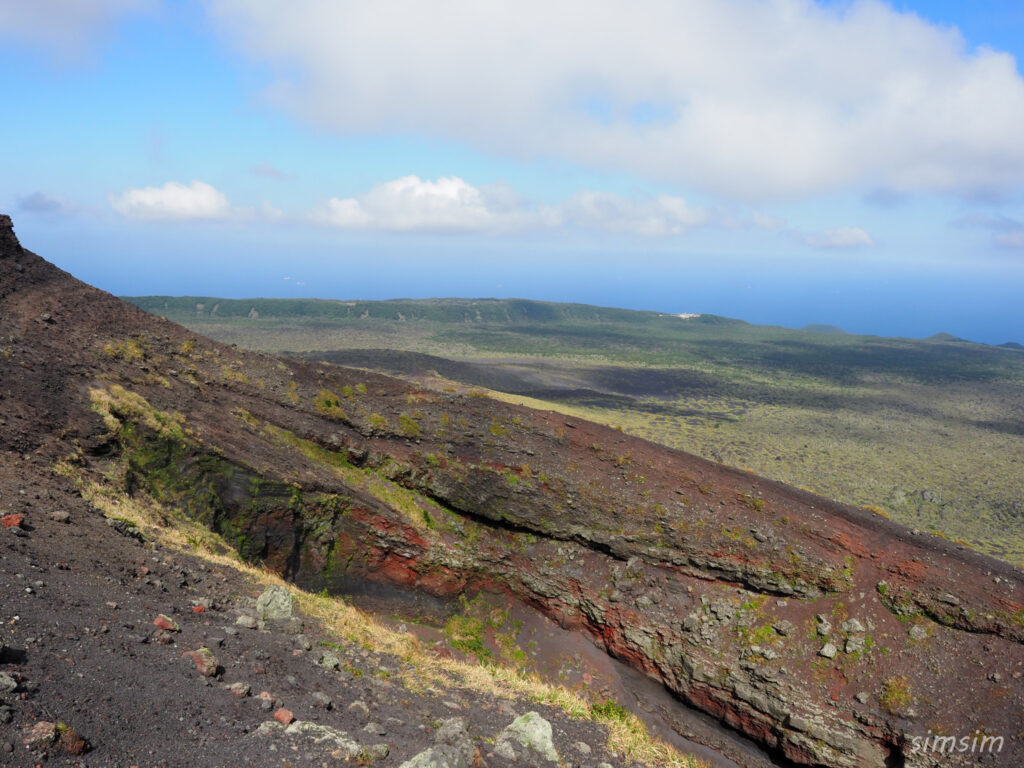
{"x":855,"y":163}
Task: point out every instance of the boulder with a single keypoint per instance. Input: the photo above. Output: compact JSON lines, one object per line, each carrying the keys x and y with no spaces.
{"x":528,"y":738}
{"x":275,"y":604}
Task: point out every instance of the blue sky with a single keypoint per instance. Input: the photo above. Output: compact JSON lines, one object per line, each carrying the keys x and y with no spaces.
{"x":781,"y":161}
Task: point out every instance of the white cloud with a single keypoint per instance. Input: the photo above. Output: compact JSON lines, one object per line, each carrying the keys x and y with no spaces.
{"x":64,"y":27}
{"x":748,"y":98}
{"x":840,"y":237}
{"x":449,"y":204}
{"x":174,"y":201}
{"x":656,"y":217}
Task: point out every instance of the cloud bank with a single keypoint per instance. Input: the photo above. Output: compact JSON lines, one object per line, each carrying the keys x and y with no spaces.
{"x":658,"y":217}
{"x":839,"y":237}
{"x":751,"y":99}
{"x":451,"y":204}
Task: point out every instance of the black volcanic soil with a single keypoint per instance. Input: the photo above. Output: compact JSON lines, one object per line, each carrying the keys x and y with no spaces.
{"x":704,"y":578}
{"x":79,"y":602}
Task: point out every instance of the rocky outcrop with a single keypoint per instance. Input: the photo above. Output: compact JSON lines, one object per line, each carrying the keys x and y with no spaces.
{"x":753,"y":658}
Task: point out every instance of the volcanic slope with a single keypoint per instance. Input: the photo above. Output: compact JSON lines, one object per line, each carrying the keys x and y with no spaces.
{"x":929,"y":432}
{"x":828,"y":635}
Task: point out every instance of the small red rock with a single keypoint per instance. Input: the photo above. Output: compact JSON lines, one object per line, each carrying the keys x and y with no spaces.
{"x":13,"y":520}
{"x":284,"y":716}
{"x":205,"y":661}
{"x":166,"y":623}
{"x":198,"y":609}
{"x":71,"y":742}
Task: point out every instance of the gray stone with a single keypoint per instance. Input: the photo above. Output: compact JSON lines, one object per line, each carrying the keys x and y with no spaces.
{"x":854,"y":643}
{"x":824,"y":626}
{"x":375,"y":729}
{"x":863,"y":697}
{"x":7,"y":684}
{"x":582,"y":747}
{"x":949,"y":598}
{"x":917,"y":632}
{"x":533,"y":734}
{"x":723,"y":610}
{"x":378,"y":752}
{"x":323,"y":735}
{"x":440,"y":757}
{"x":504,"y":749}
{"x":246,"y":621}
{"x":453,"y":748}
{"x":275,"y":604}
{"x":322,"y":700}
{"x":828,"y":650}
{"x":329,"y":660}
{"x":60,"y":516}
{"x":783,"y":627}
{"x":451,"y":731}
{"x":852,"y":625}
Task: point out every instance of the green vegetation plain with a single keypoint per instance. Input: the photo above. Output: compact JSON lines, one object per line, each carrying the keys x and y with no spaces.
{"x":929,"y":432}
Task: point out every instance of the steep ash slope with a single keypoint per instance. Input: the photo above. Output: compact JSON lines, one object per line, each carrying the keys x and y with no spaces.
{"x":829,"y":635}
